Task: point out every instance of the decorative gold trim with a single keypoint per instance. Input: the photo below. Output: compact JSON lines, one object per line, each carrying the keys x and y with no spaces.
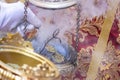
{"x":15,"y":40}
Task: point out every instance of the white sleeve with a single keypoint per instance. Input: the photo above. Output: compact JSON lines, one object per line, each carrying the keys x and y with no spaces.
{"x":12,"y":14}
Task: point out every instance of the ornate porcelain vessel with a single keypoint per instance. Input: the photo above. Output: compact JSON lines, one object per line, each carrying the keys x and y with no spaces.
{"x":63,"y":60}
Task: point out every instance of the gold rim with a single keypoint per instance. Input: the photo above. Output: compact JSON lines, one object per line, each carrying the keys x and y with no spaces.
{"x":27,"y":54}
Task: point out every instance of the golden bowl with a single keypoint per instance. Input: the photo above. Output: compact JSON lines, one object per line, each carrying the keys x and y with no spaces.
{"x":23,"y":55}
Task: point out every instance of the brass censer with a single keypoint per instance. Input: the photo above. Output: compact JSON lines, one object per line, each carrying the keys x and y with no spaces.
{"x":18,"y":61}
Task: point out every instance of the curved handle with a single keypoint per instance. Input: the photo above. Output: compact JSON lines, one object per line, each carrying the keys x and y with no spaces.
{"x":54,"y":5}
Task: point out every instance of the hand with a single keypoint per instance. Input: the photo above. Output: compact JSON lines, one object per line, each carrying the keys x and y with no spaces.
{"x":13,"y":13}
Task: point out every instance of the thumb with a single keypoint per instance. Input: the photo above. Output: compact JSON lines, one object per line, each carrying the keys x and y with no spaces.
{"x":33,"y":19}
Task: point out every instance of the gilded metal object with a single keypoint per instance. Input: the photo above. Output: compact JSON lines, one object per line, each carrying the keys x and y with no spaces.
{"x":15,"y":40}
{"x":14,"y":50}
